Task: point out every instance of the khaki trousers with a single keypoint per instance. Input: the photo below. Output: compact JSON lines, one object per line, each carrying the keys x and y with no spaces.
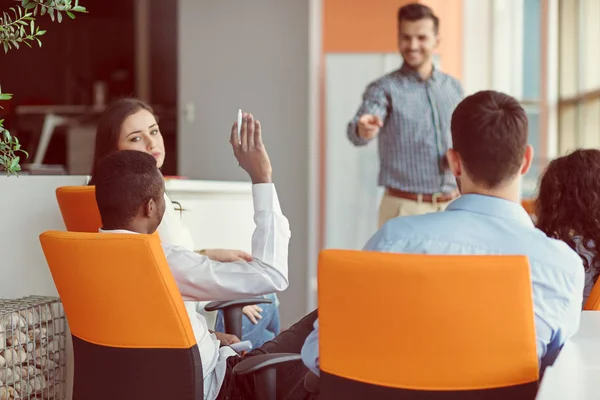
{"x":392,"y":207}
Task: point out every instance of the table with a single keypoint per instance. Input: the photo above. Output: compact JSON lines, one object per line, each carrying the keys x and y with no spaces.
{"x":576,"y":372}
{"x":55,"y":116}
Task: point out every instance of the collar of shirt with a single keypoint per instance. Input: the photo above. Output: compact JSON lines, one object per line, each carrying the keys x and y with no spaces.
{"x":493,"y":206}
{"x":406,"y":70}
{"x":117,"y":231}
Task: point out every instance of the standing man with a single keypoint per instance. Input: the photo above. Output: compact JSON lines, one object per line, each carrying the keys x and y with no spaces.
{"x":410,"y":110}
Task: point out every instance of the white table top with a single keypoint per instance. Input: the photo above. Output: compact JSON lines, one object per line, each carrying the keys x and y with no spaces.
{"x":576,"y":372}
{"x":201,"y":186}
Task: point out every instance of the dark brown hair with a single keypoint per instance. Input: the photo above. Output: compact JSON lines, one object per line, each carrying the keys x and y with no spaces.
{"x":568,"y":202}
{"x":416,"y":12}
{"x":109,"y":128}
{"x":489,"y":132}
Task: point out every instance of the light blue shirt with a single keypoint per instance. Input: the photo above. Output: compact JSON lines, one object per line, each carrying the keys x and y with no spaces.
{"x":476,"y":224}
{"x":310,"y":350}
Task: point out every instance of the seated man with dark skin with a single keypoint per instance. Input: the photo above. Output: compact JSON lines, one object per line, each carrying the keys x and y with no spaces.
{"x":130,"y":197}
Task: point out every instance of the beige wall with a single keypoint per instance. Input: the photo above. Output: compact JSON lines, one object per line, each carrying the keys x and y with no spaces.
{"x":251,"y":55}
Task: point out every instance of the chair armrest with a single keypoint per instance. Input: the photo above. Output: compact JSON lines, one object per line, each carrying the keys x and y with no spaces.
{"x":263,"y":367}
{"x":219,"y":305}
{"x":232,"y":312}
{"x":257,"y":363}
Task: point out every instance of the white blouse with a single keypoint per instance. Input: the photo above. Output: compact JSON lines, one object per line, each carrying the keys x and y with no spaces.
{"x":173,"y":232}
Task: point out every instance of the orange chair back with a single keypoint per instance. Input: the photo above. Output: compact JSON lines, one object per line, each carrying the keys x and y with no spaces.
{"x":529,"y":206}
{"x":445,"y":323}
{"x":128,"y":321}
{"x":593,"y":301}
{"x":78,"y":208}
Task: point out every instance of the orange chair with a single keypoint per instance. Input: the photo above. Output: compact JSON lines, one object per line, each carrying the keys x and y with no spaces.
{"x":593,"y":301}
{"x":529,"y":206}
{"x":80,"y":213}
{"x":78,"y":208}
{"x":452,"y":327}
{"x":132,"y":337}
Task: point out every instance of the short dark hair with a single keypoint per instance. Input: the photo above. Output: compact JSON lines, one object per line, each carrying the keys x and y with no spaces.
{"x":416,"y":12}
{"x":109,"y":128}
{"x":489,"y":132}
{"x":568,"y":203}
{"x":125,"y":180}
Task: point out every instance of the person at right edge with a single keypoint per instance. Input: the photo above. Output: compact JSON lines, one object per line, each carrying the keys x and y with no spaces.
{"x":409,"y":110}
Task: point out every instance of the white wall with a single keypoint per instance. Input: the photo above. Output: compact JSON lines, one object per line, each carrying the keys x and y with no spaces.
{"x":29,"y":207}
{"x":251,"y":55}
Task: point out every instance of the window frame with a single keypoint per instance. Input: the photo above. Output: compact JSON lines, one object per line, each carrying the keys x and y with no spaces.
{"x":583,"y":96}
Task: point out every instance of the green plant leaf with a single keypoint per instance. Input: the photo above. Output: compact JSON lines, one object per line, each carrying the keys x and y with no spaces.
{"x":14,"y":28}
{"x":15,"y":162}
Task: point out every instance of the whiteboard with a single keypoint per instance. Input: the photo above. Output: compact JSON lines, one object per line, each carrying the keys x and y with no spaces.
{"x":351,"y":193}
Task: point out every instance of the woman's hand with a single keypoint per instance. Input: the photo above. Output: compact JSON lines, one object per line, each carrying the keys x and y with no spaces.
{"x":226,"y":339}
{"x":227,"y":255}
{"x":253,"y":313}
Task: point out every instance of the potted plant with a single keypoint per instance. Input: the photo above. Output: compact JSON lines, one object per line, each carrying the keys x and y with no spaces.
{"x":18,"y":27}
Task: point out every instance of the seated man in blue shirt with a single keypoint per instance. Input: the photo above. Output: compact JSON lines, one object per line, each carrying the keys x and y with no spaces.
{"x":490,"y":154}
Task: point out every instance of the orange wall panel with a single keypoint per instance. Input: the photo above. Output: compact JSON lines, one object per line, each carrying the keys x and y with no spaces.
{"x":369,"y":26}
{"x":351,"y":26}
{"x":450,"y":13}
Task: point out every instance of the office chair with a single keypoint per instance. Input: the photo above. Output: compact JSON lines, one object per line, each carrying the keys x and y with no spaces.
{"x":80,"y":214}
{"x":529,"y":206}
{"x":593,"y":301}
{"x":447,"y":327}
{"x":78,"y":208}
{"x":132,"y":337}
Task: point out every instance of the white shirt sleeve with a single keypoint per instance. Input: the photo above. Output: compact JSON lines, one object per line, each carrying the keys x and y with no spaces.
{"x":200,"y":278}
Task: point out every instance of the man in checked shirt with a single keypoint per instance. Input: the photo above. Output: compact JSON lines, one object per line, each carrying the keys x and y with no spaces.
{"x":410,"y":110}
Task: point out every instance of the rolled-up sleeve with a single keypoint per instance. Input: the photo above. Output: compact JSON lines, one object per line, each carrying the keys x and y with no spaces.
{"x":375,"y":102}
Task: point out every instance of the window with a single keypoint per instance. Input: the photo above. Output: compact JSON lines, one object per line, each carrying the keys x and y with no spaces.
{"x":579,"y":75}
{"x":534,"y":41}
